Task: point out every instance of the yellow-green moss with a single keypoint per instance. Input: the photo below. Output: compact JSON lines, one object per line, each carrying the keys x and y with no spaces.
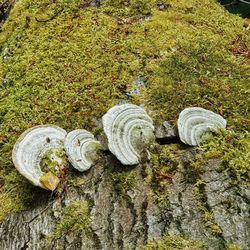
{"x":166,"y":159}
{"x":123,"y":181}
{"x":16,"y":194}
{"x":234,"y":247}
{"x":165,"y":162}
{"x":174,"y":242}
{"x":54,"y":161}
{"x":132,"y":7}
{"x":69,"y":69}
{"x":208,"y":216}
{"x":188,"y":62}
{"x":233,"y":149}
{"x":76,"y":218}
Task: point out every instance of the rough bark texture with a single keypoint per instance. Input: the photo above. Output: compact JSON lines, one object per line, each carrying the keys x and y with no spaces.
{"x":5,"y":7}
{"x":130,"y":220}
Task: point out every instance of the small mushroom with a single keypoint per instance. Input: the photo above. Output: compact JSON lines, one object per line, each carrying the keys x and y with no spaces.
{"x":194,"y":122}
{"x":129,"y":130}
{"x":30,"y":150}
{"x":81,"y":148}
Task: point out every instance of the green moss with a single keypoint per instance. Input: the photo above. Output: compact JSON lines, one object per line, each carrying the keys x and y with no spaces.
{"x":56,"y":72}
{"x":132,"y":7}
{"x":76,"y":181}
{"x":123,"y":181}
{"x":11,"y":201}
{"x":75,"y":219}
{"x":165,"y":161}
{"x":234,"y":247}
{"x":165,"y":157}
{"x":201,"y":203}
{"x":174,"y":242}
{"x":54,"y":161}
{"x":188,"y":62}
{"x":77,"y":58}
{"x":17,"y":194}
{"x":233,"y":149}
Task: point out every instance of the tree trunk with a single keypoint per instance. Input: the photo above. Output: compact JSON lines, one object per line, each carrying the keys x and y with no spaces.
{"x":5,"y":7}
{"x":130,"y":219}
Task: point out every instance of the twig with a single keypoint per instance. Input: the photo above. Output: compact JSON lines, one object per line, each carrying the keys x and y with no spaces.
{"x":232,"y":3}
{"x":243,"y":1}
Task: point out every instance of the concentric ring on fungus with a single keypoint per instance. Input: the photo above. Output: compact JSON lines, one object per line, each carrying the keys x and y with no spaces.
{"x":32,"y":146}
{"x":81,"y":148}
{"x":194,"y":122}
{"x":129,"y":130}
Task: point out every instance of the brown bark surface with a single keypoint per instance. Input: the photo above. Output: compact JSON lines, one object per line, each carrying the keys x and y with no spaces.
{"x":130,"y":220}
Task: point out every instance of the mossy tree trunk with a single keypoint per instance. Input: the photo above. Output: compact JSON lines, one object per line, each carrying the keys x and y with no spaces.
{"x":128,"y":208}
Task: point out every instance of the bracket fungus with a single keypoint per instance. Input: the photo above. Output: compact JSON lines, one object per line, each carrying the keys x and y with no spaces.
{"x":31,"y":150}
{"x":81,"y":148}
{"x":194,"y":122}
{"x":129,"y":130}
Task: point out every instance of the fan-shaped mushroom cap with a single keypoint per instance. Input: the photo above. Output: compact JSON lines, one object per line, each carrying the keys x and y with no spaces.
{"x":81,"y":148}
{"x":194,"y":122}
{"x":32,"y":146}
{"x":129,"y":130}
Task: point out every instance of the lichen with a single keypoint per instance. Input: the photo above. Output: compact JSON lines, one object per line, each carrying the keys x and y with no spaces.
{"x":66,"y":63}
{"x":174,"y":242}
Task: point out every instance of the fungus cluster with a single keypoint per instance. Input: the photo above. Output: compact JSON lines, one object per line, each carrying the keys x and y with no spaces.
{"x":39,"y":153}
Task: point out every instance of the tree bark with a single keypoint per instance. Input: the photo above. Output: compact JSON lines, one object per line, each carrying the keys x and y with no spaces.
{"x":5,"y":7}
{"x":131,"y":220}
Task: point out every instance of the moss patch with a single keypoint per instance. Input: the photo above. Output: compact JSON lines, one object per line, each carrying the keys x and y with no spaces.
{"x":75,"y":219}
{"x":234,"y":247}
{"x":54,"y":161}
{"x":174,"y":242}
{"x":130,"y":8}
{"x":188,"y":62}
{"x":165,"y":162}
{"x":123,"y":182}
{"x":233,"y":149}
{"x":208,"y":216}
{"x":65,"y":63}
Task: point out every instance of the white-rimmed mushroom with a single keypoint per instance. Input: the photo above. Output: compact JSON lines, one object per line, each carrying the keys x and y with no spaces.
{"x":81,"y":148}
{"x":129,"y":130}
{"x":194,"y":122}
{"x":32,"y":146}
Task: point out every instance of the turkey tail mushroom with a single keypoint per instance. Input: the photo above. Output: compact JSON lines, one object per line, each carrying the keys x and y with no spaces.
{"x":81,"y":148}
{"x":30,"y":150}
{"x":129,"y":130}
{"x":194,"y":122}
